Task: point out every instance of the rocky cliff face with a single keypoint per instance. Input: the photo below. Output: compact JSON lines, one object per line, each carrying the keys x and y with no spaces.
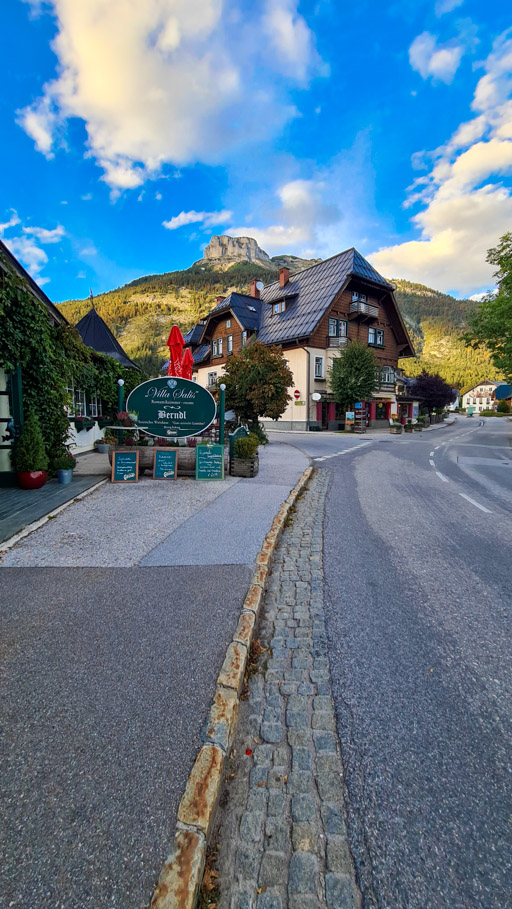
{"x":236,"y":249}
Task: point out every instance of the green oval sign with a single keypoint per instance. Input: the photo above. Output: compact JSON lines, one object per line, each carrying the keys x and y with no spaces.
{"x":171,"y":408}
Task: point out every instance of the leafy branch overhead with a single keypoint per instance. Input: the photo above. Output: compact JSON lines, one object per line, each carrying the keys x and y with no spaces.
{"x":491,"y":323}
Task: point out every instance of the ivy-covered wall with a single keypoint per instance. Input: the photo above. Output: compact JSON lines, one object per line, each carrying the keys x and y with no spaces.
{"x":52,"y":357}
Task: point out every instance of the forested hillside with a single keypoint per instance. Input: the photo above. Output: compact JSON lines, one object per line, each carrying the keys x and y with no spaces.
{"x":141,"y":314}
{"x":435,"y":321}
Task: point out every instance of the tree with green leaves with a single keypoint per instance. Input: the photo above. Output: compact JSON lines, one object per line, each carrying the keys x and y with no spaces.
{"x":490,"y":325}
{"x":257,"y":380}
{"x":353,"y":375}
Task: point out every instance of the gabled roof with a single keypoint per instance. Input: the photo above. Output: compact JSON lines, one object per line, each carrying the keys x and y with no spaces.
{"x":244,"y":307}
{"x":96,"y":334}
{"x":309,"y":293}
{"x":193,"y":335}
{"x":9,"y":263}
{"x":503,"y":391}
{"x":202,"y":353}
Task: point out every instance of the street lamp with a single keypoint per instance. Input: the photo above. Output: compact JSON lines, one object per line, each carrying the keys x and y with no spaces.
{"x":120,"y":394}
{"x":222,"y":397}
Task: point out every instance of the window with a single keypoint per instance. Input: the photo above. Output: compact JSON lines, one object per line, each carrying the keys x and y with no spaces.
{"x":70,"y":406}
{"x":95,"y":405}
{"x":387,"y":375}
{"x":376,"y":336}
{"x":228,"y":323}
{"x":338,"y":328}
{"x":212,"y":379}
{"x":229,"y":344}
{"x":358,"y":296}
{"x":244,"y":338}
{"x":217,"y":347}
{"x":319,"y":367}
{"x":80,"y":406}
{"x":279,"y":307}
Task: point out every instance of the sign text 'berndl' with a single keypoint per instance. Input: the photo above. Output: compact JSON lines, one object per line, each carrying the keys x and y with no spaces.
{"x":171,"y":407}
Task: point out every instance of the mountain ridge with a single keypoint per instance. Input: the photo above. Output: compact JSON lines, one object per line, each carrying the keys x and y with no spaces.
{"x":140,"y":313}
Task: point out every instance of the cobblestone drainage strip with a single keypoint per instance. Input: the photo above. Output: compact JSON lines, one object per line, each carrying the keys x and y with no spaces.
{"x":180,"y":879}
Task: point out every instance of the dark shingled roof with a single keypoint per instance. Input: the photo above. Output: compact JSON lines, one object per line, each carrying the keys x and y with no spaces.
{"x":244,"y":307}
{"x":309,"y":293}
{"x":193,"y":335}
{"x":96,"y":334}
{"x":201,"y":353}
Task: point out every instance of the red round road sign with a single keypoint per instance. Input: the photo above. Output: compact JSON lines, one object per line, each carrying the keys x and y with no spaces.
{"x":296,"y":394}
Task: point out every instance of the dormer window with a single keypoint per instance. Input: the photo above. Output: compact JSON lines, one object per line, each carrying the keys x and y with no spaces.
{"x":279,"y":307}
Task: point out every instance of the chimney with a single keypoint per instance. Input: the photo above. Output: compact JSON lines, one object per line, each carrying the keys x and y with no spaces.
{"x":220,"y":299}
{"x":284,"y":276}
{"x":254,"y":290}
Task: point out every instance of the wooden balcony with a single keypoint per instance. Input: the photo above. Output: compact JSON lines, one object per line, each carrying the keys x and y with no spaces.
{"x":364,"y":311}
{"x":340,"y":343}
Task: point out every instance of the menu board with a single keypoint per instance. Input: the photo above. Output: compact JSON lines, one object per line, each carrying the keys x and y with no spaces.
{"x":210,"y":462}
{"x":125,"y":466}
{"x":165,"y":464}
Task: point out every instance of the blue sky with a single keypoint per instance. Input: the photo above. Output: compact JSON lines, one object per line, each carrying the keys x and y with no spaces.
{"x":134,"y":131}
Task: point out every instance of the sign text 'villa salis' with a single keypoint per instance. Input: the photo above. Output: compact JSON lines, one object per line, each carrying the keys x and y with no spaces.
{"x":171,"y":407}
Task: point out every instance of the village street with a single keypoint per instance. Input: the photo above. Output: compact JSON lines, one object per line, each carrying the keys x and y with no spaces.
{"x":417,"y":554}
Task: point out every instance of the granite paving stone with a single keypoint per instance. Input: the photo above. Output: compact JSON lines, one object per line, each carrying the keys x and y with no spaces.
{"x":282,"y":833}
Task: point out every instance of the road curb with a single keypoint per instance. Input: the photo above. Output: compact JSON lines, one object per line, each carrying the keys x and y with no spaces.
{"x":180,"y":879}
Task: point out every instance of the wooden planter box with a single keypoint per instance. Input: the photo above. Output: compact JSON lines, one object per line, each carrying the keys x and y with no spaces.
{"x":245,"y":467}
{"x":396,"y":430}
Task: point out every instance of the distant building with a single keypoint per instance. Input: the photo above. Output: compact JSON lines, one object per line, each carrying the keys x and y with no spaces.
{"x":312,"y":315}
{"x":480,"y":397}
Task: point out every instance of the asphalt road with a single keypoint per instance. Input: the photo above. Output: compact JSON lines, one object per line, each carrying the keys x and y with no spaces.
{"x":418,"y":549}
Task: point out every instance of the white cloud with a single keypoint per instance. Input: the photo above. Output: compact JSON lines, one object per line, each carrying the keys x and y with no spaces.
{"x":290,"y":37}
{"x":446,"y":6}
{"x":305,"y":210}
{"x":30,"y":255}
{"x":12,"y":222}
{"x":207,"y":218}
{"x":466,"y":197}
{"x":89,"y":251}
{"x":44,"y":235}
{"x":170,"y":81}
{"x":432,"y":60}
{"x":87,"y":197}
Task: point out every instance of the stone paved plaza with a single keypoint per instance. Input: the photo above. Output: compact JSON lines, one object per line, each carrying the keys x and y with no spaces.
{"x":283,"y":840}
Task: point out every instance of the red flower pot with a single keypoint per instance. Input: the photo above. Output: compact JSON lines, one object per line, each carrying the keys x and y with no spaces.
{"x":31,"y":479}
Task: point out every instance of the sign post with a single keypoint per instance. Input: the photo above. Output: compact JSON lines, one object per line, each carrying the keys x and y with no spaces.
{"x":170,"y":407}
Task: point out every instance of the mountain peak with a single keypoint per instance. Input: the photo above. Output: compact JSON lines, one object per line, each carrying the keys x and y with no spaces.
{"x":235,"y":249}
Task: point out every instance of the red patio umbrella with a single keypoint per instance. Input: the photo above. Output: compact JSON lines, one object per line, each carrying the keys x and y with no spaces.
{"x":187,"y":364}
{"x":175,"y":343}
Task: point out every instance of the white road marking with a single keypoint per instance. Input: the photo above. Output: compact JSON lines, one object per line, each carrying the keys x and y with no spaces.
{"x":344,"y":452}
{"x":432,"y":463}
{"x":476,"y":504}
{"x":431,"y":454}
{"x":441,"y":477}
{"x":437,"y":446}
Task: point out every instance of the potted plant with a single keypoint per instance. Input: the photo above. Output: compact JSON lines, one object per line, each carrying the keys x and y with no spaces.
{"x":30,"y":458}
{"x":408,"y":426}
{"x":64,"y":464}
{"x":102,"y":445}
{"x":245,"y":461}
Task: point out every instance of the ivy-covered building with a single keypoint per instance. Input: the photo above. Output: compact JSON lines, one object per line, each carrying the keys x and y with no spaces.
{"x":46,"y":367}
